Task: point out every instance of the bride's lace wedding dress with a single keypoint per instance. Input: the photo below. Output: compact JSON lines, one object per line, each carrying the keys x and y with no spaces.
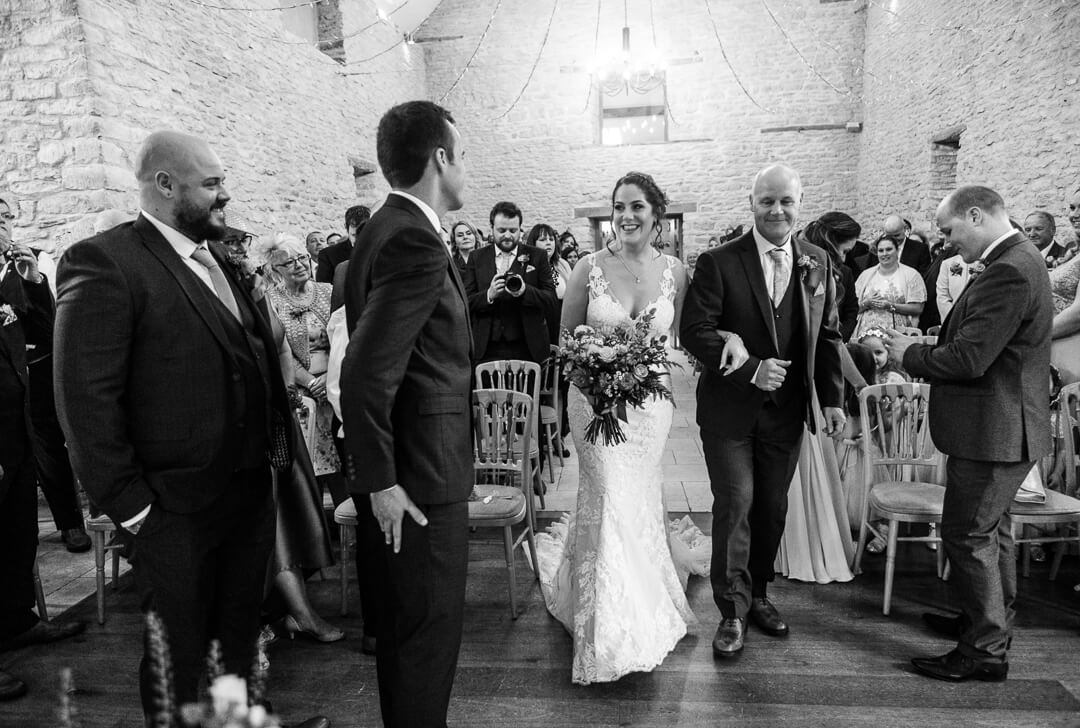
{"x":606,"y":572}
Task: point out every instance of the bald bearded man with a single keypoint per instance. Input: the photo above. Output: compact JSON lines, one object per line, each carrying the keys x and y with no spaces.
{"x":174,"y":407}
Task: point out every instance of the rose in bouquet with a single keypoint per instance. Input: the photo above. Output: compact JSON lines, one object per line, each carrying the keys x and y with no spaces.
{"x":615,"y":368}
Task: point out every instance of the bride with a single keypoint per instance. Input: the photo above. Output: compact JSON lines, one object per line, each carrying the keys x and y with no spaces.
{"x":606,"y":572}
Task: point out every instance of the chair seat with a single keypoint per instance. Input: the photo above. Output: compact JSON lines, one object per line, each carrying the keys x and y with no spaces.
{"x":1057,"y":507}
{"x":907,"y":500}
{"x":345,"y":514}
{"x":547,"y":414}
{"x":100,"y":523}
{"x":534,"y":448}
{"x":503,"y":502}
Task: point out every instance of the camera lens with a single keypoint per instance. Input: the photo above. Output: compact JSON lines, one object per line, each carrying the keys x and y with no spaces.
{"x":514,"y":283}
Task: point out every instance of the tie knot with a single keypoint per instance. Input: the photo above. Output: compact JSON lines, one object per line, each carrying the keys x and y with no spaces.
{"x":202,"y":257}
{"x":777,"y":252}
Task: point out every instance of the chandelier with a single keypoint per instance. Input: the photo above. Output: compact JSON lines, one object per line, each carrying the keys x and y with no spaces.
{"x":624,"y":71}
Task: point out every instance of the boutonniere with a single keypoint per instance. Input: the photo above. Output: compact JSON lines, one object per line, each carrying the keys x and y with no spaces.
{"x":7,"y":315}
{"x":811,"y":270}
{"x":956,"y":269}
{"x":976,"y":269}
{"x":523,"y":258}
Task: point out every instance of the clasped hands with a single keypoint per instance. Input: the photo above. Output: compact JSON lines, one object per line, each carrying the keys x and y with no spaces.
{"x":390,"y":507}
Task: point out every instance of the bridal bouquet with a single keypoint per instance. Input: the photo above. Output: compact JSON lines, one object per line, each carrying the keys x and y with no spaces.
{"x":615,"y":368}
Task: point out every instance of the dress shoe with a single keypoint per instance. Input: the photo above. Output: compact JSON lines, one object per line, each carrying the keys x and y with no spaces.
{"x":43,"y":632}
{"x":367,"y":645}
{"x":957,"y":667}
{"x":11,"y":687}
{"x":764,"y":615}
{"x":75,"y":540}
{"x":728,"y":640}
{"x":319,"y":721}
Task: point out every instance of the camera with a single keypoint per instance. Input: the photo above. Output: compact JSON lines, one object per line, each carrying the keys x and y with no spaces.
{"x":514,"y":283}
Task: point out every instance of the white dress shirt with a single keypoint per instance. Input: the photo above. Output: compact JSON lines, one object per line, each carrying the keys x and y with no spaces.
{"x":768,"y":263}
{"x":185,"y":247}
{"x":503,"y":260}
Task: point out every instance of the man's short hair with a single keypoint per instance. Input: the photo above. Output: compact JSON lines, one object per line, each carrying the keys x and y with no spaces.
{"x":984,"y":198}
{"x":506,"y":209}
{"x":408,"y":135}
{"x":356,"y":216}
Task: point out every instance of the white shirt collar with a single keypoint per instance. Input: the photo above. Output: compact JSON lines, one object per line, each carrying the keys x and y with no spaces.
{"x":511,"y":253}
{"x":764,"y":245}
{"x":425,"y":208}
{"x":996,"y":243}
{"x":182,"y":244}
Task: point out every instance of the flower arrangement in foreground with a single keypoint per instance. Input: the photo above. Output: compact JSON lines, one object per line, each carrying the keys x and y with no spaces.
{"x":614,"y":368}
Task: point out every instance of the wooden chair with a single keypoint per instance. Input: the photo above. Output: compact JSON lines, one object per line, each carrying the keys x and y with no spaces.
{"x":896,"y":442}
{"x":99,"y":528}
{"x":39,"y":594}
{"x":524,"y":377}
{"x":1061,"y":511}
{"x":909,"y":330}
{"x":345,"y":517}
{"x":502,"y":495}
{"x":551,"y":405}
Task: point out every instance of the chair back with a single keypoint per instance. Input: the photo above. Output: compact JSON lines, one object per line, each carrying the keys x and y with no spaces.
{"x":933,"y":331}
{"x":929,"y":339}
{"x":549,"y":380}
{"x":502,"y":435}
{"x":909,"y":330}
{"x":896,"y":433}
{"x":513,"y":374}
{"x":1066,"y":417}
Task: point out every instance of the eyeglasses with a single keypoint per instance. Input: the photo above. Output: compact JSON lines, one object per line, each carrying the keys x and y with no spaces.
{"x":301,"y":260}
{"x":7,"y":216}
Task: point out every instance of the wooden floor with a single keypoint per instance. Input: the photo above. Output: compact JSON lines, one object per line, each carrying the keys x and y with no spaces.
{"x":843,"y":665}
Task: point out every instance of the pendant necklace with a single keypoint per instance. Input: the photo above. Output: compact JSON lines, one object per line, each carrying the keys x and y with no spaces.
{"x":637,"y":279}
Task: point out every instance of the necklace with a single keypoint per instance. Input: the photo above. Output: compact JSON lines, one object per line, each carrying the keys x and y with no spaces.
{"x":637,"y":278}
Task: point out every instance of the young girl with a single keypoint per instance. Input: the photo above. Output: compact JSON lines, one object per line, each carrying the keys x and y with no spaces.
{"x":885,"y":371}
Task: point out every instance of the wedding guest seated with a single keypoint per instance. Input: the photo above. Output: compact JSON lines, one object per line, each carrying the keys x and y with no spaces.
{"x":890,"y":293}
{"x":303,"y":306}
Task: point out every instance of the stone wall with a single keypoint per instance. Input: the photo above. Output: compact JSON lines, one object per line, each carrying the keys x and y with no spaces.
{"x":545,"y":153}
{"x":1001,"y":74}
{"x":82,"y":83}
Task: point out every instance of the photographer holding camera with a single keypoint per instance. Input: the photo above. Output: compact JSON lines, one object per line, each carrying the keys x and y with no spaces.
{"x":511,"y":293}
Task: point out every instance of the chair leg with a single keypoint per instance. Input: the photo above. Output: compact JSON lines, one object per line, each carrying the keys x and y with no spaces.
{"x":531,"y":540}
{"x":343,"y":535}
{"x":508,"y":546}
{"x":550,"y":454}
{"x":39,"y":594}
{"x":116,"y":568}
{"x":890,"y":565}
{"x":98,"y":537}
{"x":860,"y":548}
{"x":940,"y":556}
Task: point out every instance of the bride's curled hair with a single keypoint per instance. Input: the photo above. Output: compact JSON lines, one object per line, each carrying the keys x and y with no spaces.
{"x":653,"y":195}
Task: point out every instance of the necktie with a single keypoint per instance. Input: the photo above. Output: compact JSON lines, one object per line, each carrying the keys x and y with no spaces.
{"x":217,"y":277}
{"x":780,"y":274}
{"x":505,"y":261}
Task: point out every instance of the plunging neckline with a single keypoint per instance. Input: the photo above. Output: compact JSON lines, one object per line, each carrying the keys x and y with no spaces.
{"x":665,"y":281}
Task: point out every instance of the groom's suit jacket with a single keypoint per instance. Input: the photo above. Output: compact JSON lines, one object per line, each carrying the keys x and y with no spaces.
{"x":989,"y":369}
{"x":406,"y":376}
{"x":728,"y":293}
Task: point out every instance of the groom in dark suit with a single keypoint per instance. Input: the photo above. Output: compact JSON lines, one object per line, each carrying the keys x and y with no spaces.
{"x":990,"y":414}
{"x":405,"y":399}
{"x":511,"y":293}
{"x":174,"y":406}
{"x":777,"y":297}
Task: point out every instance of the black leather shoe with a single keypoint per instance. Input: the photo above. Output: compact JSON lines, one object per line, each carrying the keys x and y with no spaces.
{"x":764,"y":615}
{"x":11,"y":687}
{"x":43,"y":632}
{"x":957,"y":667}
{"x":319,"y":721}
{"x":367,"y":645}
{"x":75,"y":540}
{"x":728,"y":640}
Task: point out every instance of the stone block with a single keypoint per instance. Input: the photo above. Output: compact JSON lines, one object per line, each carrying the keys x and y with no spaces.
{"x":33,"y":90}
{"x":50,"y":31}
{"x":84,"y":177}
{"x":34,"y":187}
{"x":52,"y":152}
{"x":119,"y":178}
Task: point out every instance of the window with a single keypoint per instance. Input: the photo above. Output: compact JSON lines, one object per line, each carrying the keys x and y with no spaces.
{"x":633,"y":117}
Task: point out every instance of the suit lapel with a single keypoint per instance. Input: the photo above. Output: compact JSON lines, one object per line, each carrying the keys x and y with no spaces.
{"x":800,"y":281}
{"x":755,"y":276}
{"x":1014,"y":239}
{"x":192,"y":287}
